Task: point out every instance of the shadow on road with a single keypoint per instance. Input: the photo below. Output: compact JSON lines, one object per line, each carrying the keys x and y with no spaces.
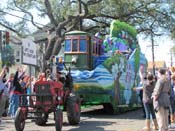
{"x":83,"y":126}
{"x":94,"y":125}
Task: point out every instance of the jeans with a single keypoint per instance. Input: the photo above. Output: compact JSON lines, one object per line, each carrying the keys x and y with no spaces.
{"x":24,"y":100}
{"x":172,"y":106}
{"x":149,"y":110}
{"x":13,"y":106}
{"x":2,"y":104}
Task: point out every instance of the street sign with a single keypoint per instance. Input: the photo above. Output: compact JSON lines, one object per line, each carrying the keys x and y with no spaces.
{"x":29,"y":52}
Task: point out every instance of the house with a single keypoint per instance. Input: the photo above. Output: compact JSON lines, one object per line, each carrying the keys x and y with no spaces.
{"x":15,"y":46}
{"x":158,"y":65}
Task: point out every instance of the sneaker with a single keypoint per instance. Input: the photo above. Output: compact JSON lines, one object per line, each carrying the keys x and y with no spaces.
{"x":12,"y":117}
{"x":171,"y":126}
{"x":9,"y":114}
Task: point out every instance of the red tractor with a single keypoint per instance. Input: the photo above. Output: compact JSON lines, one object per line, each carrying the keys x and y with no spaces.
{"x":48,"y":97}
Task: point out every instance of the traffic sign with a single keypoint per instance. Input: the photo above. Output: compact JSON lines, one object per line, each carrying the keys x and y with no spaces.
{"x":29,"y":52}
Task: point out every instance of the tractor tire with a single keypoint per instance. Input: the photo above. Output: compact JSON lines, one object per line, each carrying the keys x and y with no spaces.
{"x":58,"y":119}
{"x":19,"y":120}
{"x":73,"y":108}
{"x":41,"y":121}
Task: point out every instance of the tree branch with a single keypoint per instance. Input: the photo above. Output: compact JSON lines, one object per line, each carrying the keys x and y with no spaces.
{"x":49,"y":12}
{"x":99,"y":21}
{"x":92,"y":2}
{"x":8,"y":27}
{"x":32,"y":19}
{"x":94,"y":27}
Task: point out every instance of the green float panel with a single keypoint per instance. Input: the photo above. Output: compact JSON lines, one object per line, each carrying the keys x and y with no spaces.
{"x":82,"y":62}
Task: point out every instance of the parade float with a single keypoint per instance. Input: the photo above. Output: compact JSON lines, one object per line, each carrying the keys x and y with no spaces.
{"x":105,"y":68}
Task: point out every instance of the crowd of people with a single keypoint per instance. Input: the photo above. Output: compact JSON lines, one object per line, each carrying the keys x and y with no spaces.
{"x":158,"y":94}
{"x":10,"y":89}
{"x":14,"y":84}
{"x":158,"y":99}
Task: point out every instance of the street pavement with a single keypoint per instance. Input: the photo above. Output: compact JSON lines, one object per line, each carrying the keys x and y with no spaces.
{"x":92,"y":119}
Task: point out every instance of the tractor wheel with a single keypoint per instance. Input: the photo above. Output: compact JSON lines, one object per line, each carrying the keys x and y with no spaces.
{"x":58,"y":119}
{"x":41,"y":120}
{"x":19,"y":120}
{"x":73,"y":108}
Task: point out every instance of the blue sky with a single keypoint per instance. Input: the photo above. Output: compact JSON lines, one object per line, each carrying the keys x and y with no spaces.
{"x":161,"y":51}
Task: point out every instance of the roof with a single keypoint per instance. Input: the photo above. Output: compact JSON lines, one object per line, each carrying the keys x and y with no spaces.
{"x":158,"y":64}
{"x":77,"y":32}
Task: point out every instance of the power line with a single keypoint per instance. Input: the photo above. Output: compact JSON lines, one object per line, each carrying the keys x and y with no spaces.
{"x":24,"y":18}
{"x":153,"y":55}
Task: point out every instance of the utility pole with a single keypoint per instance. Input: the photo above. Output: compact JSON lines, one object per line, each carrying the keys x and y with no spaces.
{"x":152,"y":45}
{"x":171,"y":57}
{"x":152,"y":48}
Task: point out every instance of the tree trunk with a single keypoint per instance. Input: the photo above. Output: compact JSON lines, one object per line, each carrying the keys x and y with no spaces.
{"x":57,"y":46}
{"x":117,"y":90}
{"x":49,"y":48}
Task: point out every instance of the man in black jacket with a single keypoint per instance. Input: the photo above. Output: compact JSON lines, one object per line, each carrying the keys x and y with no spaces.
{"x":14,"y":99}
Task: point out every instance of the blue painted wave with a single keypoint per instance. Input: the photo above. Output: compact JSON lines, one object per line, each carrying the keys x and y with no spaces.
{"x":100,"y":75}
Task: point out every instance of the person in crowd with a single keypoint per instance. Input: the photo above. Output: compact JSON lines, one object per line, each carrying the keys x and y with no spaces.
{"x":170,"y":114}
{"x":142,"y":75}
{"x":14,"y":100}
{"x":23,"y":83}
{"x":147,"y":89}
{"x":172,"y":99}
{"x":48,"y":74}
{"x":161,"y":100}
{"x":10,"y":87}
{"x":28,"y":88}
{"x":49,"y":78}
{"x":41,"y":77}
{"x":9,"y":83}
{"x":3,"y":92}
{"x":141,"y":97}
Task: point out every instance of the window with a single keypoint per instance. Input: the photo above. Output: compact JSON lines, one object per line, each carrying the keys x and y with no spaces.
{"x":68,"y":45}
{"x":83,"y":46}
{"x":17,"y":60}
{"x":74,"y":45}
{"x":18,"y":53}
